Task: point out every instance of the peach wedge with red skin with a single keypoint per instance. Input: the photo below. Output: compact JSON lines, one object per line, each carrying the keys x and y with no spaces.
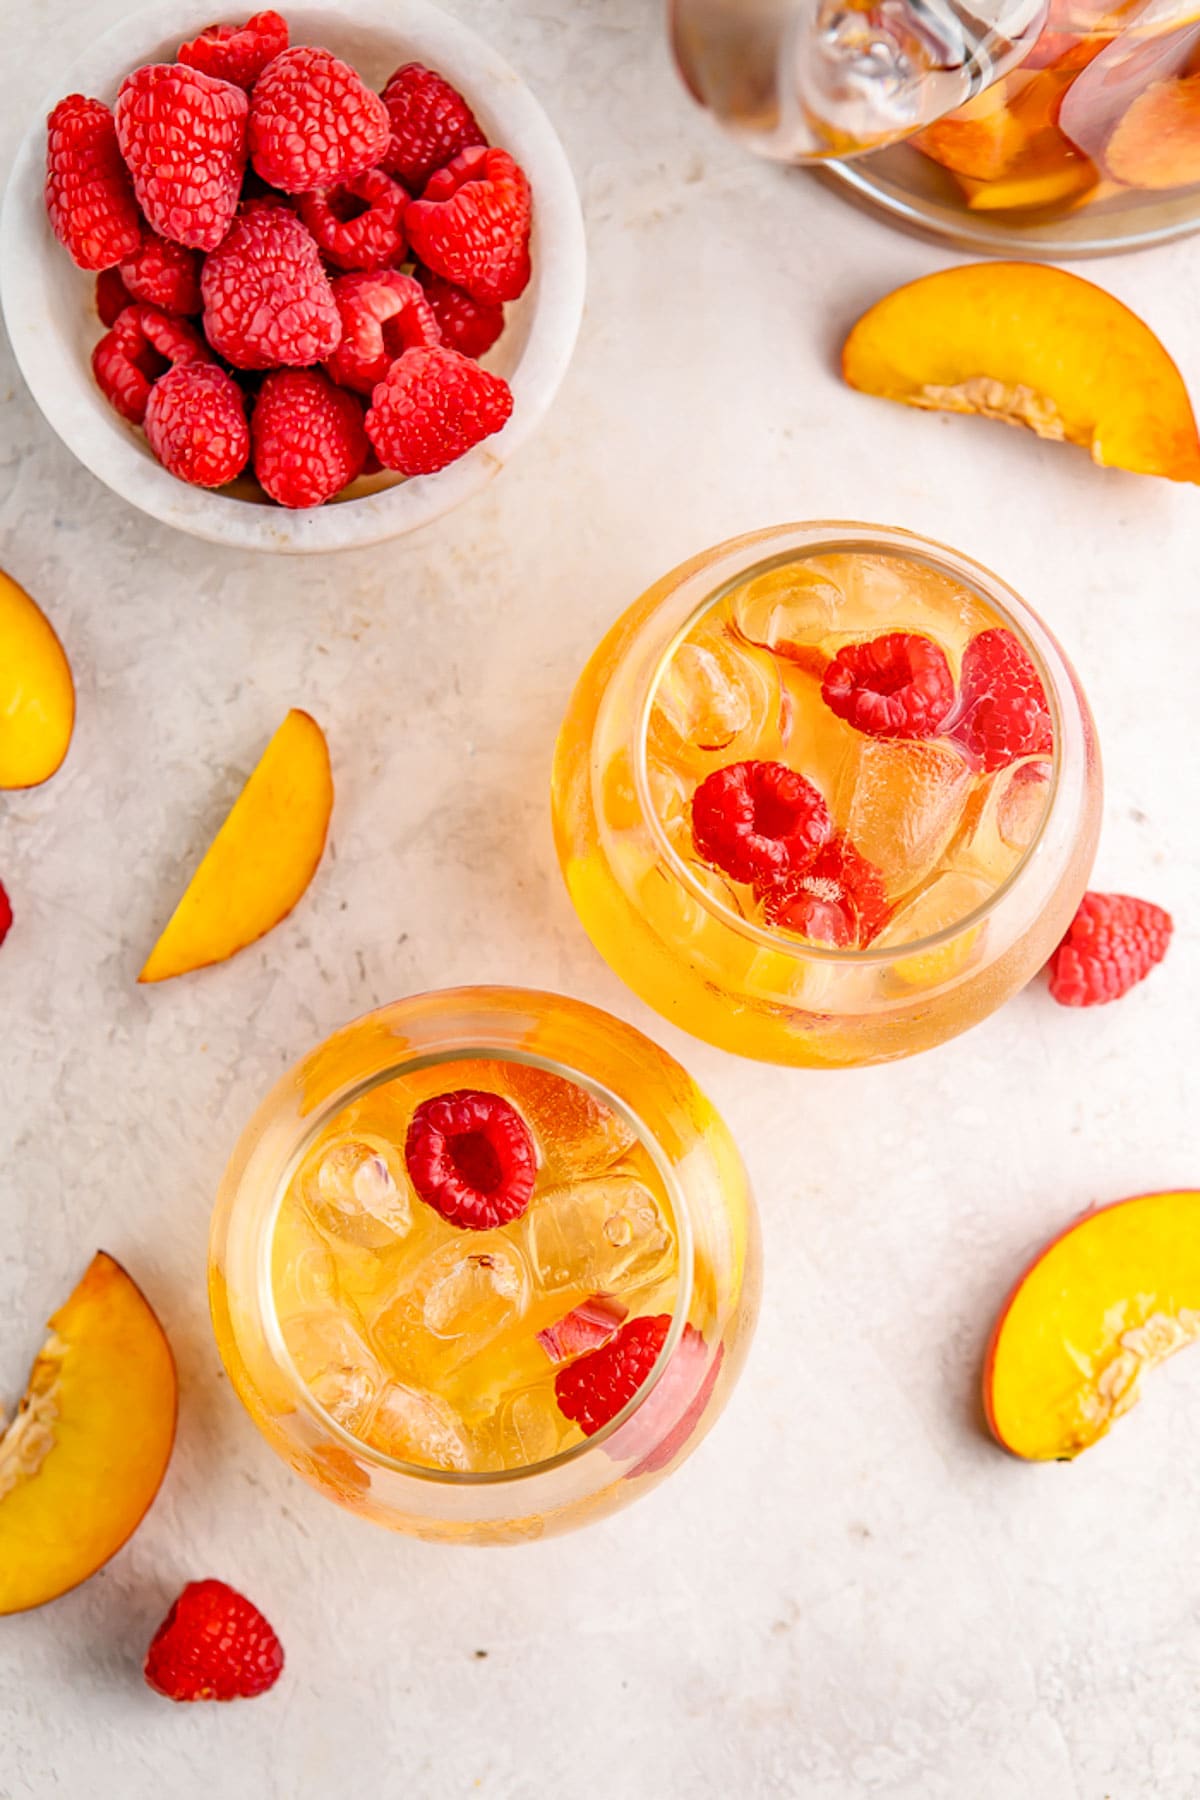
{"x":86,"y":1452}
{"x":1112,"y":1297}
{"x":1034,"y":346}
{"x":261,"y":860}
{"x":37,"y":694}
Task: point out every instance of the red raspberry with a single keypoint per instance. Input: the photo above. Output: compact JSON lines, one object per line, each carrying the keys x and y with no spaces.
{"x":313,"y":123}
{"x":471,"y":326}
{"x":471,"y":224}
{"x":430,"y":124}
{"x":593,"y":1390}
{"x":163,"y":274}
{"x":383,"y":314}
{"x":759,"y":822}
{"x":131,"y":357}
{"x":267,"y":298}
{"x":1113,"y":943}
{"x":360,"y":224}
{"x":183,"y":136}
{"x":898,"y":685}
{"x":6,"y":913}
{"x":470,"y":1156}
{"x":196,"y":424}
{"x":89,"y":195}
{"x":308,"y":437}
{"x":432,"y":407}
{"x":1003,"y":713}
{"x":112,"y":296}
{"x":213,"y":1645}
{"x":840,"y":901}
{"x":237,"y":53}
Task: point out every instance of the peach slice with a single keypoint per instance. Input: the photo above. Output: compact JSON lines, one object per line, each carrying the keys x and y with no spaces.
{"x":37,"y":694}
{"x":1050,"y":174}
{"x":1112,"y":1297}
{"x":260,"y":861}
{"x":1034,"y":346}
{"x":85,"y":1454}
{"x":980,"y":138}
{"x":1157,"y":142}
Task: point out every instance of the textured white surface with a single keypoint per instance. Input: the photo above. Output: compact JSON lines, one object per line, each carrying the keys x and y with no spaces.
{"x":848,"y":1592}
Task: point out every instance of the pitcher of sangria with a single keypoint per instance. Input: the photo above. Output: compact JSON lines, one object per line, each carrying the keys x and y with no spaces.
{"x":1071,"y":126}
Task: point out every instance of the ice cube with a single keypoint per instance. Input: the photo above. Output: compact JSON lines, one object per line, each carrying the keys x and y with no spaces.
{"x":303,"y":1270}
{"x":793,"y":605}
{"x":584,"y":1328}
{"x":355,"y":1189}
{"x":453,"y":1305}
{"x":417,"y":1427}
{"x":947,"y":899}
{"x":900,"y":593}
{"x":900,"y":803}
{"x":527,"y":1428}
{"x":608,"y":1234}
{"x":576,"y":1133}
{"x":334,"y":1363}
{"x":717,"y":697}
{"x":1022,"y":791}
{"x":1002,"y":819}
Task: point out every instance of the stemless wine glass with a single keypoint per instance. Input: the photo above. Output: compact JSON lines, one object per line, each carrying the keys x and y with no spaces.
{"x":954,"y":935}
{"x":345,"y":1109}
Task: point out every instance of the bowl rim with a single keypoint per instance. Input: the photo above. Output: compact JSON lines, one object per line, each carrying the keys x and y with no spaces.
{"x":105,"y":444}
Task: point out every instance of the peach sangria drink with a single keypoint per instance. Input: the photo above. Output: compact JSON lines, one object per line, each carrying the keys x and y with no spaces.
{"x":827,"y":795}
{"x":484,"y":1264}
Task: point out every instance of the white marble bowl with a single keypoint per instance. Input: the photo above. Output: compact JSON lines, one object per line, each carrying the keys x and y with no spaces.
{"x":53,"y":325}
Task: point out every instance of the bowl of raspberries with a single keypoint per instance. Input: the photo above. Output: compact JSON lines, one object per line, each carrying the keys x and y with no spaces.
{"x":293,"y":282}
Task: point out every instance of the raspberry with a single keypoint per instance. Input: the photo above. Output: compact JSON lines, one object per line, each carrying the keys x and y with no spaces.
{"x":383,"y":313}
{"x":471,"y":224}
{"x":1113,"y":943}
{"x":898,"y":685}
{"x":163,"y":274}
{"x":471,"y":326}
{"x":183,"y":136}
{"x":112,"y":296}
{"x":237,"y":53}
{"x":267,"y":298}
{"x":1003,"y":712}
{"x":131,"y":357}
{"x":213,"y":1645}
{"x":6,"y":913}
{"x":841,"y":900}
{"x":89,"y":195}
{"x":759,"y":822}
{"x":358,"y":225}
{"x":313,"y":123}
{"x":430,"y":124}
{"x":308,"y":437}
{"x":432,"y":407}
{"x":593,"y":1390}
{"x":196,"y":424}
{"x":471,"y":1158}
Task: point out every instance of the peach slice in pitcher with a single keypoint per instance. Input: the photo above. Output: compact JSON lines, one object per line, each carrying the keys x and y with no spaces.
{"x":261,"y":860}
{"x":1111,"y":1298}
{"x":86,"y":1452}
{"x":1132,"y":108}
{"x":1034,"y":346}
{"x":37,"y":694}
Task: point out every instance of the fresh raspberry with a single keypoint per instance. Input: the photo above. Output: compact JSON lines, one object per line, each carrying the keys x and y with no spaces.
{"x":471,"y":326}
{"x":196,"y":424}
{"x":183,"y":136}
{"x":308,"y":437}
{"x":1003,"y":713}
{"x":360,"y":224}
{"x":237,"y":53}
{"x":759,"y":822}
{"x":89,"y":195}
{"x":383,"y":313}
{"x":213,"y":1645}
{"x":141,"y":346}
{"x":6,"y":913}
{"x":164,"y":274}
{"x":430,"y":124}
{"x":470,"y":1156}
{"x":112,"y":296}
{"x":432,"y":407}
{"x":1113,"y":943}
{"x":471,"y":224}
{"x":841,"y":900}
{"x":267,"y":298}
{"x":593,"y":1390}
{"x":898,"y":685}
{"x":585,"y":1328}
{"x":313,"y":123}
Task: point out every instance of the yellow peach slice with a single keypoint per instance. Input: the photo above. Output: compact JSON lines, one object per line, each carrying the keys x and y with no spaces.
{"x":85,"y":1454}
{"x":1107,"y":1301}
{"x":260,"y":861}
{"x":980,"y":138}
{"x":1156,"y":144}
{"x":37,"y":694}
{"x":1034,"y":346}
{"x":1046,"y":176}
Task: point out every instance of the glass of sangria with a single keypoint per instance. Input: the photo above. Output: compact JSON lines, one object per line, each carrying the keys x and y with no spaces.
{"x":827,"y":794}
{"x":484,"y":1265}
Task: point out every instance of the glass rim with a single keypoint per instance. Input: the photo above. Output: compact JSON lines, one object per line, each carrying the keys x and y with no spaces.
{"x":833,"y":537}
